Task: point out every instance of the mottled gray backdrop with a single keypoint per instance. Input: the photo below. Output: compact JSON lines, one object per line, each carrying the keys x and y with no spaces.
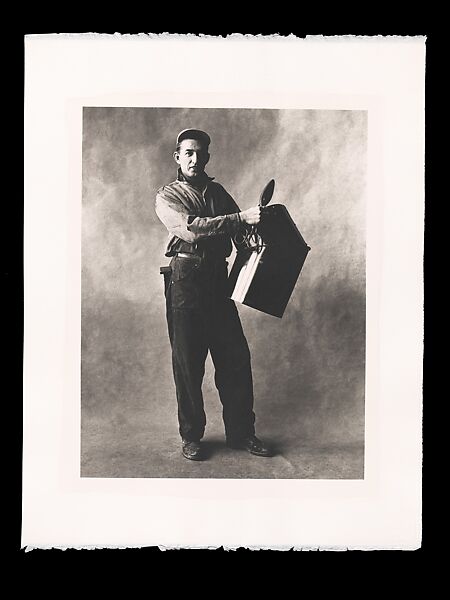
{"x":308,"y":367}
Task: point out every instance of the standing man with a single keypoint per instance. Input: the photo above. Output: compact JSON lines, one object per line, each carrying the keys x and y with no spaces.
{"x":201,"y":218}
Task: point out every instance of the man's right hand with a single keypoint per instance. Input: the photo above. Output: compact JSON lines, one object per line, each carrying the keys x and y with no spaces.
{"x":251,"y":216}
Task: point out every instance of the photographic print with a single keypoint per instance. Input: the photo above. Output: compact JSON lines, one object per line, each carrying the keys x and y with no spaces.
{"x":223,"y":298}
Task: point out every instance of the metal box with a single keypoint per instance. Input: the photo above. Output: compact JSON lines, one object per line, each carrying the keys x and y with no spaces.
{"x":264,"y":276}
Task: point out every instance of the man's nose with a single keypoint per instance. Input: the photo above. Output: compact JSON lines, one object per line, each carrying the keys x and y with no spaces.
{"x":194,"y":159}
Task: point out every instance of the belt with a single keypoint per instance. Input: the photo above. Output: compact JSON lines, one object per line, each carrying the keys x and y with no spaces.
{"x":210,"y":258}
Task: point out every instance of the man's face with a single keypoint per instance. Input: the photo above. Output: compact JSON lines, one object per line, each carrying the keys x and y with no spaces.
{"x":192,"y":158}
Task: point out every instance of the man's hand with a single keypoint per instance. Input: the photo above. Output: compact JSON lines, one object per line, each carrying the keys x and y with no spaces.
{"x":251,"y":216}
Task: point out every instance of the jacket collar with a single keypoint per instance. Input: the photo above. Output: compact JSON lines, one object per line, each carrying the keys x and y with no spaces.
{"x":202,"y":182}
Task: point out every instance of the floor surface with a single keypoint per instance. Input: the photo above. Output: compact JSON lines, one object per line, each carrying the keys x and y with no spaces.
{"x":138,"y":454}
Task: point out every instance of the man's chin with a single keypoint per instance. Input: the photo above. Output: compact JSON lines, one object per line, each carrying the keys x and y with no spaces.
{"x":193,"y":175}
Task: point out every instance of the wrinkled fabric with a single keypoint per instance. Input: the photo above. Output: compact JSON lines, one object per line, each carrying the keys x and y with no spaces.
{"x":202,"y":219}
{"x":206,"y":216}
{"x":201,"y":318}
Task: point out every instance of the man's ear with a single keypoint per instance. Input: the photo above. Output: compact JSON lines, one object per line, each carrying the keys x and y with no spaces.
{"x":207,"y":158}
{"x":176,"y":156}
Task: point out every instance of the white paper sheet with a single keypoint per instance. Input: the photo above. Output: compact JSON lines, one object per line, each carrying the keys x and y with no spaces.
{"x":383,"y":76}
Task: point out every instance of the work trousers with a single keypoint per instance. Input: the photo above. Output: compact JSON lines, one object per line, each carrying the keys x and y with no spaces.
{"x":201,"y":317}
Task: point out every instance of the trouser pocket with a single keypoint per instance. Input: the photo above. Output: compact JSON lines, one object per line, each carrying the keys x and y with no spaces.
{"x":185,"y":283}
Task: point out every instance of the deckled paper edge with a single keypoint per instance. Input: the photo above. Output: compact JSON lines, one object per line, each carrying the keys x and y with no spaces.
{"x":275,"y":37}
{"x":228,"y":548}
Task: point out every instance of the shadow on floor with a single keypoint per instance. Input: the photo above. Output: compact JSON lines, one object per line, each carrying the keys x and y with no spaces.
{"x":144,"y":456}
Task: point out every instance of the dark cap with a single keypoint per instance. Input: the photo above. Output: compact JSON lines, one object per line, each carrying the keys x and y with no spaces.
{"x":193,"y":134}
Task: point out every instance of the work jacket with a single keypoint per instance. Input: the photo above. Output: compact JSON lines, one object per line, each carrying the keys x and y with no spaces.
{"x":198,"y":218}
